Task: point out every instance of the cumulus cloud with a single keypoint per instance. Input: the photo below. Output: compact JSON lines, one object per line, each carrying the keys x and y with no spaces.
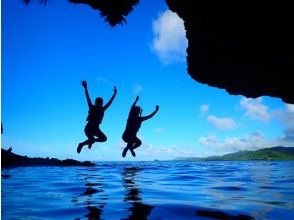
{"x":255,"y":109}
{"x":209,"y":141}
{"x":288,"y":137}
{"x":190,"y":150}
{"x":138,"y":89}
{"x":159,"y":130}
{"x":290,"y":108}
{"x":289,"y":116}
{"x":104,"y":80}
{"x":204,"y":109}
{"x":286,"y":116}
{"x":169,"y":42}
{"x":156,"y":151}
{"x":148,"y":151}
{"x":252,"y":141}
{"x":221,"y":123}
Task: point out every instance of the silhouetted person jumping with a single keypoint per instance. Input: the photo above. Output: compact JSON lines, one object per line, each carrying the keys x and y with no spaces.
{"x":95,"y":116}
{"x":133,"y":124}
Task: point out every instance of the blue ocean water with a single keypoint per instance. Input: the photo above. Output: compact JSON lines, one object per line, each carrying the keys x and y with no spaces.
{"x":151,"y":190}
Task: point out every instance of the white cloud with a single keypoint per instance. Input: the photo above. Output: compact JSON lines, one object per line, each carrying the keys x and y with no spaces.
{"x":138,"y":89}
{"x":289,"y":116}
{"x":204,"y":109}
{"x":288,"y":137}
{"x":252,"y":141}
{"x":210,"y":141}
{"x":189,"y":150}
{"x":159,"y":130}
{"x":152,"y":152}
{"x":221,"y":123}
{"x":169,"y":42}
{"x":255,"y":109}
{"x":286,"y":116}
{"x":104,"y":80}
{"x":149,"y":151}
{"x":290,"y":108}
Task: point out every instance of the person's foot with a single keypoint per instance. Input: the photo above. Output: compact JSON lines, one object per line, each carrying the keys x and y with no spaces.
{"x":133,"y":152}
{"x":124,"y":153}
{"x":80,"y":147}
{"x":91,"y":143}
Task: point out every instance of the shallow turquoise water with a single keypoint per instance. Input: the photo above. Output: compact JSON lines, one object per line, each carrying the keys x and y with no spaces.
{"x":151,"y":190}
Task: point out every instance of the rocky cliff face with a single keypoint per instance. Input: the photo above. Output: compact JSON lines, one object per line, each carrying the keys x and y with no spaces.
{"x":243,"y":47}
{"x":9,"y":159}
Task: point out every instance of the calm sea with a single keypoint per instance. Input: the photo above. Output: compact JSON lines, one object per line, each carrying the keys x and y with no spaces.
{"x":151,"y":190}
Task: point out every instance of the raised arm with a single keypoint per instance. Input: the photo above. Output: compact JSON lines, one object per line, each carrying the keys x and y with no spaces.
{"x":151,"y":115}
{"x":111,"y":99}
{"x":84,"y":84}
{"x":135,"y":102}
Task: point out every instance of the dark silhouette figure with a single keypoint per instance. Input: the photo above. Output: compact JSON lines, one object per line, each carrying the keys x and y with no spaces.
{"x":133,"y":125}
{"x":94,"y":119}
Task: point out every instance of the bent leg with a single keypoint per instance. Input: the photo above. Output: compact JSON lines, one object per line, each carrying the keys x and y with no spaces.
{"x":88,"y":142}
{"x":90,"y":132}
{"x":137,"y":143}
{"x":129,"y":139}
{"x":81,"y":145}
{"x":124,"y":153}
{"x":101,"y":137}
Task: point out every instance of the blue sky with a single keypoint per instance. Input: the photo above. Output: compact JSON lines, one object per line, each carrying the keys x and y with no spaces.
{"x":48,"y":49}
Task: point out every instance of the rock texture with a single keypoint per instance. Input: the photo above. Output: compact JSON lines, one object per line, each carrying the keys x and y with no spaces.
{"x":9,"y":159}
{"x":243,"y":47}
{"x":113,"y":11}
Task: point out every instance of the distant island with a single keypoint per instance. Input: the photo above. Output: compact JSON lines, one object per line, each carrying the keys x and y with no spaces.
{"x":273,"y":153}
{"x":9,"y":159}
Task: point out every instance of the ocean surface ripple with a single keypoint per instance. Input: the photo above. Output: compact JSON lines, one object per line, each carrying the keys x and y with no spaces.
{"x":151,"y":190}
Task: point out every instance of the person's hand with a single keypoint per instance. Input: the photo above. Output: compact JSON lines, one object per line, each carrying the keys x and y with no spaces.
{"x":157,"y":107}
{"x":137,"y":98}
{"x":84,"y":83}
{"x":114,"y":89}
